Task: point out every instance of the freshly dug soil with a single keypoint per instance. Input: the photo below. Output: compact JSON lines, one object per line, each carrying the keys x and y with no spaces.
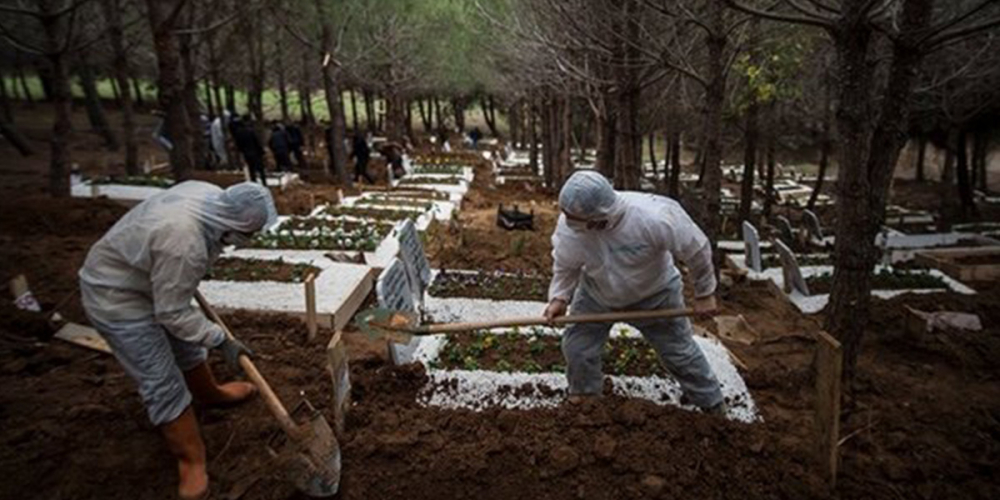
{"x":884,"y":280}
{"x":228,"y":269}
{"x":485,"y":285}
{"x":536,"y":353}
{"x":978,"y":260}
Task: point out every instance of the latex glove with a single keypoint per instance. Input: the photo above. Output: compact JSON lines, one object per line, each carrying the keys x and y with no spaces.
{"x":705,"y":306}
{"x":555,"y":309}
{"x":232,"y":349}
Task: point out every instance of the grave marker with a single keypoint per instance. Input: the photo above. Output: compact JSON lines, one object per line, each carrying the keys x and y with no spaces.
{"x":394,"y":292}
{"x":751,"y":243}
{"x":813,"y":225}
{"x":790,"y":269}
{"x":411,"y":252}
{"x":784,"y":229}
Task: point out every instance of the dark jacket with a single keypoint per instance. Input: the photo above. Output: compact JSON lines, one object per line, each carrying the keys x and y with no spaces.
{"x":247,"y":141}
{"x":279,"y":141}
{"x":295,"y":139}
{"x":360,"y":150}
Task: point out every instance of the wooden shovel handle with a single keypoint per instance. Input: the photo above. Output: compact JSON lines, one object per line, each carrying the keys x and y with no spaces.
{"x":270,"y":398}
{"x":562,"y":320}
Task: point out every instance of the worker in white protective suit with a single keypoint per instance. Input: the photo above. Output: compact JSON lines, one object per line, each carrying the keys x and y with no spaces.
{"x":137,"y":286}
{"x":615,"y":251}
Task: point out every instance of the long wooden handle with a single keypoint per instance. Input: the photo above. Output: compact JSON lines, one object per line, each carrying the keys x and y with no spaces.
{"x":270,"y":398}
{"x":562,"y":320}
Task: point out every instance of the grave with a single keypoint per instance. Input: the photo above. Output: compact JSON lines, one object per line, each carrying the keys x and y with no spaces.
{"x":751,"y":244}
{"x":792,"y":275}
{"x":340,"y":288}
{"x":394,"y":292}
{"x":785,"y":232}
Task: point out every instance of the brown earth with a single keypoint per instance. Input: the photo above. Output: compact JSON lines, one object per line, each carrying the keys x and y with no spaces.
{"x":923,"y":420}
{"x":490,"y":286}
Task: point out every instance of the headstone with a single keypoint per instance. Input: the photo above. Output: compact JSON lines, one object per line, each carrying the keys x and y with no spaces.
{"x":813,"y":225}
{"x":394,"y":292}
{"x":411,"y":252}
{"x":784,"y":229}
{"x":751,"y":243}
{"x":790,"y":269}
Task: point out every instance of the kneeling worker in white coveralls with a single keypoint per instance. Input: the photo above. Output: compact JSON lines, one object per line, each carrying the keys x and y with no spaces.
{"x":614,"y":251}
{"x":137,"y":286}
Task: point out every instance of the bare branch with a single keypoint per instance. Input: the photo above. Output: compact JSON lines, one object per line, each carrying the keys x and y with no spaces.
{"x":959,"y":33}
{"x":785,"y":18}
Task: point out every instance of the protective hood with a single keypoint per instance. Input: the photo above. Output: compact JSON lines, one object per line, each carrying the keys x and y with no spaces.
{"x":246,"y":207}
{"x":589,"y":195}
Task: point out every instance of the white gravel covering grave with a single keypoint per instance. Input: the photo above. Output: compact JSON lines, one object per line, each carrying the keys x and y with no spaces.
{"x":116,"y":192}
{"x":480,"y":389}
{"x":813,"y":304}
{"x":334,"y":285}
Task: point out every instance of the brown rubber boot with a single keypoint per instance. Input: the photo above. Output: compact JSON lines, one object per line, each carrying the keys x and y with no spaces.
{"x":184,"y":441}
{"x":201,"y":382}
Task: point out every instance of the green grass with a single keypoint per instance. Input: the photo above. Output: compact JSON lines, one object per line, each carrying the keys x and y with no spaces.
{"x":272,"y":102}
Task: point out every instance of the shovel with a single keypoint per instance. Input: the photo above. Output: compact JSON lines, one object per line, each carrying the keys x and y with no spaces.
{"x":402,"y":326}
{"x":316,"y":466}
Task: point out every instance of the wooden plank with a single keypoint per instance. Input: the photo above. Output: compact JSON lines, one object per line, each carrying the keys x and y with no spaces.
{"x":342,"y":316}
{"x":340,"y":372}
{"x":310,"y":286}
{"x":829,"y":366}
{"x":83,"y":336}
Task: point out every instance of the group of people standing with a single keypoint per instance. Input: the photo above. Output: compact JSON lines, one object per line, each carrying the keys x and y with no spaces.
{"x":285,"y":141}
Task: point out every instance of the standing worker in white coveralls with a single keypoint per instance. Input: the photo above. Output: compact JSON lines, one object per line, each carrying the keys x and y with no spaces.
{"x":137,"y":286}
{"x":615,"y":251}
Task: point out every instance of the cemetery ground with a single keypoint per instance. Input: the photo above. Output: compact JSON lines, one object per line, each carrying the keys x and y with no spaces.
{"x":922,"y":422}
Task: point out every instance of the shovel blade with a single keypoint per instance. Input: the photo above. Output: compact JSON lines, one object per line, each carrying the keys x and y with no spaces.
{"x":317,"y":473}
{"x":387,"y":323}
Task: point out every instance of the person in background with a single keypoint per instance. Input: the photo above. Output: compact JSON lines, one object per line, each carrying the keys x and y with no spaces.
{"x":361,"y":154}
{"x":296,"y":142}
{"x":279,"y":145}
{"x":393,"y":153}
{"x":475,"y":136}
{"x":137,"y":285}
{"x":249,"y":145}
{"x":615,"y":251}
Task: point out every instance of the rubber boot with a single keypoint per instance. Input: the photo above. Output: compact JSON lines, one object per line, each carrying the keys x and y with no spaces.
{"x":201,"y":382}
{"x":184,"y":441}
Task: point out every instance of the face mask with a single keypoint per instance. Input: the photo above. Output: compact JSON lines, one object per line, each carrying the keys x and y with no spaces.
{"x":235,"y":238}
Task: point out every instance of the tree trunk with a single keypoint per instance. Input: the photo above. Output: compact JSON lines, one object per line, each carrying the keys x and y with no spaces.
{"x":514,"y":119}
{"x":674,"y":188}
{"x":369,"y":109}
{"x":458,"y":108}
{"x":548,"y":148}
{"x":715,"y":95}
{"x":116,"y":94}
{"x":749,"y":159}
{"x":199,"y":144}
{"x":331,"y":90}
{"x":980,"y":147}
{"x":408,"y":106}
{"x":116,"y":36}
{"x":565,"y":139}
{"x":607,"y":137}
{"x":920,"y":175}
{"x":652,"y":155}
{"x":95,"y":110}
{"x":140,"y":100}
{"x":8,"y":115}
{"x":279,"y":61}
{"x":171,"y":87}
{"x":533,"y":136}
{"x":965,"y":195}
{"x":395,"y":117}
{"x":423,"y":116}
{"x":231,"y":99}
{"x":60,"y":96}
{"x":486,"y":102}
{"x":14,"y":137}
{"x":354,"y":110}
{"x":305,"y":96}
{"x":441,"y":120}
{"x":25,"y":90}
{"x":865,"y":171}
{"x":771,"y":166}
{"x":825,"y":145}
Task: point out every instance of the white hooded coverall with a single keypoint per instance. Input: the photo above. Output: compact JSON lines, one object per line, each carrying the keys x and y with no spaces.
{"x":629,"y":265}
{"x":139,"y":279}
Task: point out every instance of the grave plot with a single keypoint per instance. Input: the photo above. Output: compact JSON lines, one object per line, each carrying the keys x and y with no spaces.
{"x":437,"y":209}
{"x":888,"y":283}
{"x":127,"y":191}
{"x":522,"y":369}
{"x":343,"y":237}
{"x":964,"y":264}
{"x":446,"y":184}
{"x":374,"y":214}
{"x":488,"y":369}
{"x":267,"y":281}
{"x":439,"y":171}
{"x":900,"y":247}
